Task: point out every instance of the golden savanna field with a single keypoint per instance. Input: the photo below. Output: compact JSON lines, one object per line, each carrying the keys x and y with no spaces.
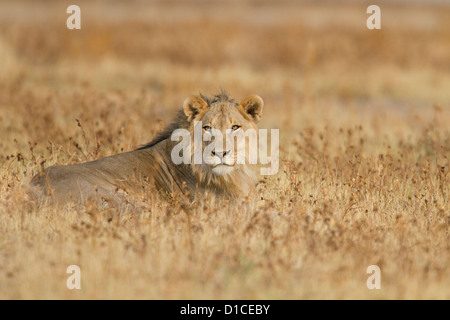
{"x":364,"y":176}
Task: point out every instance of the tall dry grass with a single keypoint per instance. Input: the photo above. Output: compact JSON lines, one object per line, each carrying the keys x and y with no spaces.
{"x":364,"y":120}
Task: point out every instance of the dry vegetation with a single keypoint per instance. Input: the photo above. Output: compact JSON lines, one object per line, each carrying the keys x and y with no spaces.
{"x":364,"y":119}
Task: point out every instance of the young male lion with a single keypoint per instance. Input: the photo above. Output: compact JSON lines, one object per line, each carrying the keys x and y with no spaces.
{"x":114,"y":176}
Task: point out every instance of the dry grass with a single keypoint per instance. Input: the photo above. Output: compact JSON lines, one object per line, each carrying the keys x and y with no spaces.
{"x":364,"y":119}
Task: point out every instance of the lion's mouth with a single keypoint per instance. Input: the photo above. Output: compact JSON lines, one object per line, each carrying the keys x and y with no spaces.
{"x":221,"y":164}
{"x":222,"y":169}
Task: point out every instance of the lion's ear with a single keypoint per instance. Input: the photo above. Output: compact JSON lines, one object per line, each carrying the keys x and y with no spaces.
{"x":253,"y":106}
{"x":194,"y":105}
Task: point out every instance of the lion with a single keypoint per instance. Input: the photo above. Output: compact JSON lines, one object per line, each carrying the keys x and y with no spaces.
{"x":113,"y":177}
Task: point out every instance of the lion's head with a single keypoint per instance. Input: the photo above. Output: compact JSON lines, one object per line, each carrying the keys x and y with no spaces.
{"x":223,"y":125}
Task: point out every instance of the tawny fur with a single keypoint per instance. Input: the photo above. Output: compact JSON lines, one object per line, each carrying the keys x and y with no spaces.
{"x":113,"y":177}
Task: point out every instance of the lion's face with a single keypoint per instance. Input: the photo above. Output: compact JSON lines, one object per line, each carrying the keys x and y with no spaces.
{"x":222,"y":123}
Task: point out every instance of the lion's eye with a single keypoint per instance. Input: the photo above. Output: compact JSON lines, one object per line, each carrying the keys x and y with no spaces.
{"x":207,"y":128}
{"x":235,"y":127}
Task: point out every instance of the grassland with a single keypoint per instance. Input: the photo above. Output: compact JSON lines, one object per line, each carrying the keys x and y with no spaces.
{"x":364,"y":119}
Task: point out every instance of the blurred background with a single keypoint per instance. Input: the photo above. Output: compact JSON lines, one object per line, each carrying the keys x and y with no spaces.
{"x":364,"y":119}
{"x":311,"y":61}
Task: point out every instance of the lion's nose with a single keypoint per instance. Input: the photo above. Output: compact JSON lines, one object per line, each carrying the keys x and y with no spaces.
{"x":221,"y":154}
